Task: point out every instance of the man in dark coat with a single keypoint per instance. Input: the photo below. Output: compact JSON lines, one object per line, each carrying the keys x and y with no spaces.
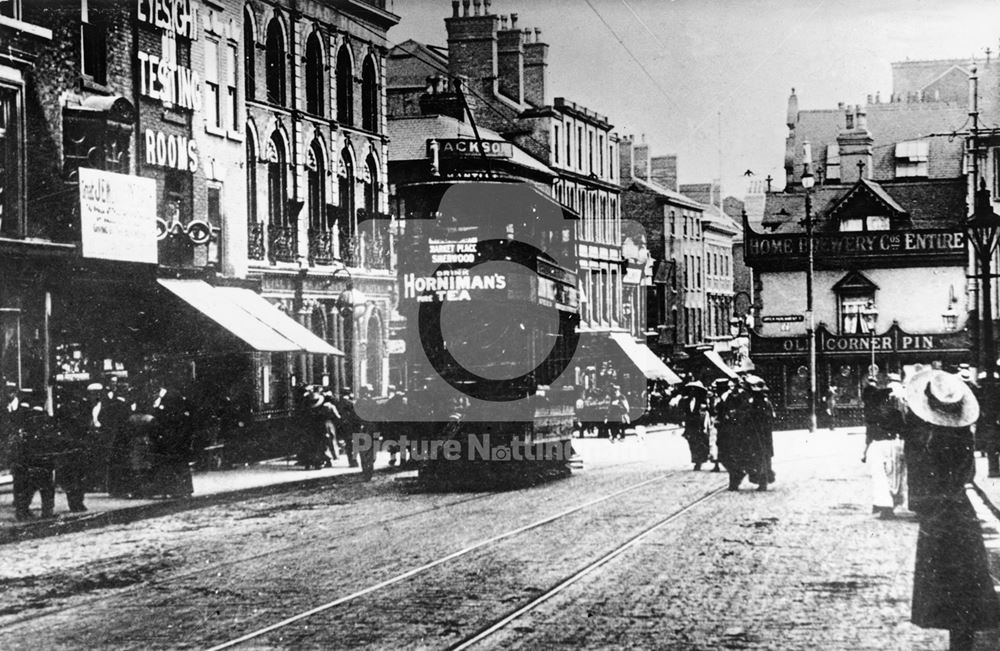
{"x":33,"y":453}
{"x":952,"y":587}
{"x":695,"y":406}
{"x":751,"y":443}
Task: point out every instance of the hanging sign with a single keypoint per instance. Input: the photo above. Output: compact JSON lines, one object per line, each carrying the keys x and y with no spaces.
{"x":117,"y":216}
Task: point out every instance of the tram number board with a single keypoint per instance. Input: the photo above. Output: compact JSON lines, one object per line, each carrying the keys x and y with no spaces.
{"x":783,"y":318}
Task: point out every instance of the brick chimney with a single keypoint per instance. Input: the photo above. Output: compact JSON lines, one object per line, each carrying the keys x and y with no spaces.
{"x":640,"y":160}
{"x":472,"y":45}
{"x":855,"y":144}
{"x":510,"y":60}
{"x":625,"y":160}
{"x":536,"y":60}
{"x":663,"y":171}
{"x":791,"y":119}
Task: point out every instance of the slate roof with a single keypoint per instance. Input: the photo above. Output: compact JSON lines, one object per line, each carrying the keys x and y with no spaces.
{"x":664,"y":193}
{"x":408,"y":137}
{"x":411,"y":62}
{"x":928,"y":204}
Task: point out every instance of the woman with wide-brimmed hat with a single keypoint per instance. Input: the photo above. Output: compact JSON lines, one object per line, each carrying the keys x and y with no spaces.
{"x":952,"y":587}
{"x":696,"y":422}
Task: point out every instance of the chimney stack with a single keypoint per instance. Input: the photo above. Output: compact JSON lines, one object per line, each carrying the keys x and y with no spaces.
{"x":663,"y":171}
{"x":510,"y":61}
{"x":626,"y":160}
{"x":855,"y":145}
{"x":472,"y":48}
{"x":536,"y":62}
{"x":640,"y":160}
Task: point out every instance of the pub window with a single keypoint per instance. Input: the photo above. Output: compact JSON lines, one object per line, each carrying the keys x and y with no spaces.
{"x":93,"y":46}
{"x":853,"y":310}
{"x":249,"y":56}
{"x":276,"y":182}
{"x":369,"y":96}
{"x":911,"y":158}
{"x":317,"y":188}
{"x":274,"y":59}
{"x":314,"y":76}
{"x":11,"y":166}
{"x":213,"y":98}
{"x":345,"y":86}
{"x":852,"y":224}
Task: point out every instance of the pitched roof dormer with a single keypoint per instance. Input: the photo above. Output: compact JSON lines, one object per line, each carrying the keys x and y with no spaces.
{"x":866,"y":206}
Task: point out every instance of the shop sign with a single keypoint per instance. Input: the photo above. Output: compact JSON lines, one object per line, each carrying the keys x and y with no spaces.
{"x":395,"y":346}
{"x":117,"y":216}
{"x":893,"y":340}
{"x":468,"y":148}
{"x":161,"y":77}
{"x":910,"y":243}
{"x":173,"y":151}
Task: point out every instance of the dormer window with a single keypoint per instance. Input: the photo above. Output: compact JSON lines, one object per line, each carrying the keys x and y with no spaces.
{"x":861,"y":224}
{"x":911,"y":159}
{"x":856,"y":302}
{"x":833,"y":163}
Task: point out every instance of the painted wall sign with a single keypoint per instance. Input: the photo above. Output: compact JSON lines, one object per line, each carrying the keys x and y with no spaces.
{"x":175,"y":152}
{"x":468,"y":148}
{"x":909,"y":243}
{"x":175,"y":16}
{"x":117,"y":216}
{"x":894,"y":340}
{"x":161,"y":77}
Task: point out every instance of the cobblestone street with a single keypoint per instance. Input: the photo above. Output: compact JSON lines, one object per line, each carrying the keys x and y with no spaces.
{"x":803,"y":566}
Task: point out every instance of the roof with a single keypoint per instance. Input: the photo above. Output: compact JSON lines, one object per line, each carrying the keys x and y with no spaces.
{"x":409,"y":136}
{"x":642,"y":185}
{"x":411,"y":62}
{"x":928,"y":204}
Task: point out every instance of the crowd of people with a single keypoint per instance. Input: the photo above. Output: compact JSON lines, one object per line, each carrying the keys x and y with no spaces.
{"x":109,"y":440}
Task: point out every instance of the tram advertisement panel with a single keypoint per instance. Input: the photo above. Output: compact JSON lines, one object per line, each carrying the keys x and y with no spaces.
{"x":488,"y":291}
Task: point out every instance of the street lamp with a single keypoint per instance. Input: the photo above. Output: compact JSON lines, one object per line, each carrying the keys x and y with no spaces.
{"x":808,"y":181}
{"x":871,"y":317}
{"x":983,"y":230}
{"x":350,"y":305}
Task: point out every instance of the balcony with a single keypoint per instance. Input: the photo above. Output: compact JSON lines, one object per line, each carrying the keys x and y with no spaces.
{"x":255,"y":240}
{"x":374,"y":240}
{"x":282,"y":243}
{"x":321,"y":246}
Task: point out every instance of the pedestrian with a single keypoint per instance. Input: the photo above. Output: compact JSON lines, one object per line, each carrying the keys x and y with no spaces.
{"x":140,"y":428}
{"x":33,"y":462}
{"x":952,"y":586}
{"x":618,"y":416}
{"x":330,"y":417}
{"x":884,"y":454}
{"x":750,"y":443}
{"x":367,"y":453}
{"x":349,"y":425}
{"x":172,"y":447}
{"x":695,"y":404}
{"x":727,"y":429}
{"x":831,"y":407}
{"x":114,"y":412}
{"x":396,"y":431}
{"x":71,"y":468}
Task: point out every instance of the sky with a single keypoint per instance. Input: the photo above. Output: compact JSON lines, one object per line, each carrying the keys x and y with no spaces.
{"x":709,"y":80}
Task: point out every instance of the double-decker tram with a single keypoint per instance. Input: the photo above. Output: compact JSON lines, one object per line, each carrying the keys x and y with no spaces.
{"x":487,"y":285}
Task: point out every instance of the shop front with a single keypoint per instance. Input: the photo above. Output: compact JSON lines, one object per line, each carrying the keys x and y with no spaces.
{"x":844,"y":363}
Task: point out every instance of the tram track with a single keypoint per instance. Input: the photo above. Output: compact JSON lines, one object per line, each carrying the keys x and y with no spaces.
{"x":323,"y":532}
{"x":499,"y":624}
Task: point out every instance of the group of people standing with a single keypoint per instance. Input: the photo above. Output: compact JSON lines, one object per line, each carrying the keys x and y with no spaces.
{"x":108,"y":440}
{"x":738,"y":415}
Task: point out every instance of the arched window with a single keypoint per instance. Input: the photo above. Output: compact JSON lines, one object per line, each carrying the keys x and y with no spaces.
{"x":249,"y":56}
{"x":369,"y":96}
{"x":255,"y":232}
{"x":345,"y":87}
{"x":314,"y":76}
{"x":371,"y":186}
{"x":277,"y":182}
{"x":348,"y":219}
{"x":317,"y":188}
{"x":275,"y":59}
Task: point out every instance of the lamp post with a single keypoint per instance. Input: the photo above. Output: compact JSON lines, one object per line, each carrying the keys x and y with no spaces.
{"x":871,"y":317}
{"x":350,"y":305}
{"x":808,"y":181}
{"x":983,"y":230}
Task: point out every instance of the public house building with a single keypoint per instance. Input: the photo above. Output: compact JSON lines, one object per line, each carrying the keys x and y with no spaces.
{"x":890,"y":259}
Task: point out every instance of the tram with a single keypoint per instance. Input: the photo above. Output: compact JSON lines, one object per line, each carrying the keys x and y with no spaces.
{"x":487,"y":285}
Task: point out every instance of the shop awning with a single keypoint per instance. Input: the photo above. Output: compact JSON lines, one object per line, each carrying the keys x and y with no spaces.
{"x":249,"y":317}
{"x":645,"y":359}
{"x":289,"y":328}
{"x":717,"y":362}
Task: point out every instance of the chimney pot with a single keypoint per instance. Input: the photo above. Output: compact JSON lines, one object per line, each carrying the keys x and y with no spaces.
{"x":869,"y":98}
{"x":878,"y":97}
{"x":503,"y":22}
{"x":476,"y":5}
{"x":465,"y":7}
{"x":486,"y":7}
{"x":538,"y":35}
{"x":513,"y":21}
{"x":454,"y":8}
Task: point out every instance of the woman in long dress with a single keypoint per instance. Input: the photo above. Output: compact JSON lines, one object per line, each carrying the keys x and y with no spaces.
{"x":952,"y":587}
{"x":696,"y":417}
